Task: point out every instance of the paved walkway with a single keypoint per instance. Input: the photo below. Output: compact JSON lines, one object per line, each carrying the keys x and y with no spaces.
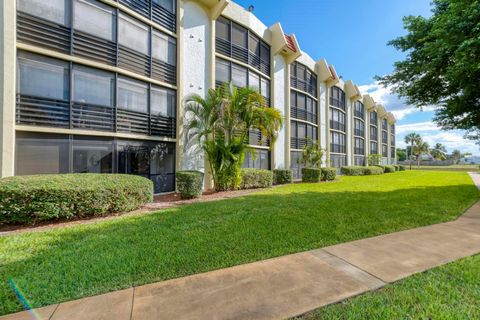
{"x":286,"y":286}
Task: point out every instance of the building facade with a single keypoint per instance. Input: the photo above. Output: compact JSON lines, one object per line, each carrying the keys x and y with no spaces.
{"x":98,"y":86}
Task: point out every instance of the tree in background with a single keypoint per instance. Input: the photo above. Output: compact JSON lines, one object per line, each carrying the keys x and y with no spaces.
{"x":420,"y":148}
{"x":439,"y":152}
{"x":221,"y":123}
{"x":456,"y":156}
{"x":412,"y":139}
{"x":401,"y":154}
{"x":442,"y":64}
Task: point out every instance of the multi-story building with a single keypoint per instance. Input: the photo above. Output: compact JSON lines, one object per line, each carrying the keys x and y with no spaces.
{"x":98,"y":86}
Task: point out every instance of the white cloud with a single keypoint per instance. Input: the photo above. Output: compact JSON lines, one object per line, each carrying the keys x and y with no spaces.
{"x":390,"y":100}
{"x":433,"y":134}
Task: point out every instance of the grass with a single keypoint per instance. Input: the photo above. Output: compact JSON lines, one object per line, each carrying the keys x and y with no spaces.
{"x":68,"y":263}
{"x":456,"y":167}
{"x":448,"y":292}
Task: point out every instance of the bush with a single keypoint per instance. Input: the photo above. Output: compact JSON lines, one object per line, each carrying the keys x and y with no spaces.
{"x":353,"y":171}
{"x":373,"y":170}
{"x":189,"y":184}
{"x":29,"y":199}
{"x":256,"y":178}
{"x":329,"y":174}
{"x":282,"y":176}
{"x":401,"y":167}
{"x":388,"y":169}
{"x":311,"y":174}
{"x":397,"y":168}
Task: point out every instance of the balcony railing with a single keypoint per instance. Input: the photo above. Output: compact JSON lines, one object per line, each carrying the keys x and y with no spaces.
{"x":299,"y":143}
{"x":236,"y":52}
{"x":39,"y":111}
{"x":303,"y":114}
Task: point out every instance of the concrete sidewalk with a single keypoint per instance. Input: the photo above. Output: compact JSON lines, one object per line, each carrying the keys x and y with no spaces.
{"x":286,"y":286}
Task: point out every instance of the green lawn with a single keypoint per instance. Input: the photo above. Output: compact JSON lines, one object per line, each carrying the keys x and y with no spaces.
{"x":448,"y":292}
{"x":458,"y":167}
{"x":69,"y":263}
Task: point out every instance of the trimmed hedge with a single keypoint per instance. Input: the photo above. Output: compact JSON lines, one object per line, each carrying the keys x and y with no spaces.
{"x":373,"y":170}
{"x":401,"y":167}
{"x":189,"y":184}
{"x":282,"y":176}
{"x":256,"y":178}
{"x":388,"y":169}
{"x":29,"y":199}
{"x":397,"y":168}
{"x":329,"y":174}
{"x":353,"y":171}
{"x":311,"y":174}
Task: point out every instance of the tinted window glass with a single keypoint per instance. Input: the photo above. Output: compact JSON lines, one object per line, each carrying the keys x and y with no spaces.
{"x":132,"y":95}
{"x":94,"y":18}
{"x":133,"y":34}
{"x":92,"y":86}
{"x":57,"y":11}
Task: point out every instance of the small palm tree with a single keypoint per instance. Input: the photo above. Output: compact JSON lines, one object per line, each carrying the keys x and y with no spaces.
{"x":221,"y":123}
{"x":419,"y":149}
{"x":439,"y":152}
{"x":412,"y":139}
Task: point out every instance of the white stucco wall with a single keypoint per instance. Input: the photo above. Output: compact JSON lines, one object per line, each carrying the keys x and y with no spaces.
{"x":279,"y":102}
{"x":195,"y":73}
{"x":349,"y":136}
{"x":323,"y":109}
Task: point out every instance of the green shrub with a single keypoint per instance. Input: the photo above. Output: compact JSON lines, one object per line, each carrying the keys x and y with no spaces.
{"x":373,"y":170}
{"x":189,"y":184}
{"x":256,"y":178}
{"x":282,"y":176}
{"x":397,"y":168}
{"x":401,"y":167}
{"x":311,"y":174}
{"x":388,"y":169}
{"x":29,"y":199}
{"x":353,"y":171}
{"x":329,"y":174}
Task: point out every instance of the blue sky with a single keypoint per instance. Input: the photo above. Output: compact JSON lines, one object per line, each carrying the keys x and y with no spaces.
{"x":352,"y":35}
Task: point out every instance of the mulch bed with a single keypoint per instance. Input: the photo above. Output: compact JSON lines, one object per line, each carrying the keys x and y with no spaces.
{"x":160,"y":202}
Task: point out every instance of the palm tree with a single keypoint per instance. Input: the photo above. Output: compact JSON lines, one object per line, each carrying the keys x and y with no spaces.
{"x":419,"y":149}
{"x":221,"y":123}
{"x":412,"y":139}
{"x":439,"y":152}
{"x":456,"y":155}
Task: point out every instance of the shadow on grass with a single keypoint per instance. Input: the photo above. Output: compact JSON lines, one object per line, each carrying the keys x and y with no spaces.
{"x":65,"y":264}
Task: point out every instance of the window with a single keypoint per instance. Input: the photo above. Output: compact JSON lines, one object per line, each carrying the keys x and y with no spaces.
{"x":132,"y":95}
{"x":261,"y":161}
{"x":42,"y":77}
{"x":384,"y":150}
{"x":392,"y":129}
{"x":239,"y":76}
{"x":254,"y":81}
{"x":169,"y":5}
{"x":222,"y":29}
{"x":384,"y":136}
{"x":94,"y":18}
{"x":133,"y":34}
{"x":295,"y":158}
{"x":337,"y":142}
{"x":373,"y":133}
{"x":359,"y":110}
{"x":37,"y":153}
{"x":373,"y":118}
{"x":359,"y":127}
{"x":92,"y":156}
{"x":265,"y":88}
{"x":92,"y":86}
{"x":373,"y":147}
{"x":254,"y":45}
{"x":164,"y":48}
{"x":337,"y":97}
{"x":359,"y":147}
{"x":303,"y":78}
{"x":338,"y":161}
{"x":393,"y":154}
{"x":163,"y":102}
{"x":239,"y":36}
{"x":384,"y":124}
{"x":337,"y":120}
{"x":57,"y":11}
{"x":222,"y":71}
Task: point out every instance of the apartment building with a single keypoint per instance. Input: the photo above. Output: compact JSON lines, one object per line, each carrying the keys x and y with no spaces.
{"x":98,"y":86}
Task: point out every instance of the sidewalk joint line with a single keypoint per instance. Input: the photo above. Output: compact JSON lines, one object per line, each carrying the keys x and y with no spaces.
{"x":133,"y":301}
{"x":357,"y":267}
{"x":51,"y":316}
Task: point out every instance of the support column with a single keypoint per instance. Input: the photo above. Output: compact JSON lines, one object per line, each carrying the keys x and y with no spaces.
{"x":323,"y":119}
{"x":349,"y":133}
{"x":7,"y":87}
